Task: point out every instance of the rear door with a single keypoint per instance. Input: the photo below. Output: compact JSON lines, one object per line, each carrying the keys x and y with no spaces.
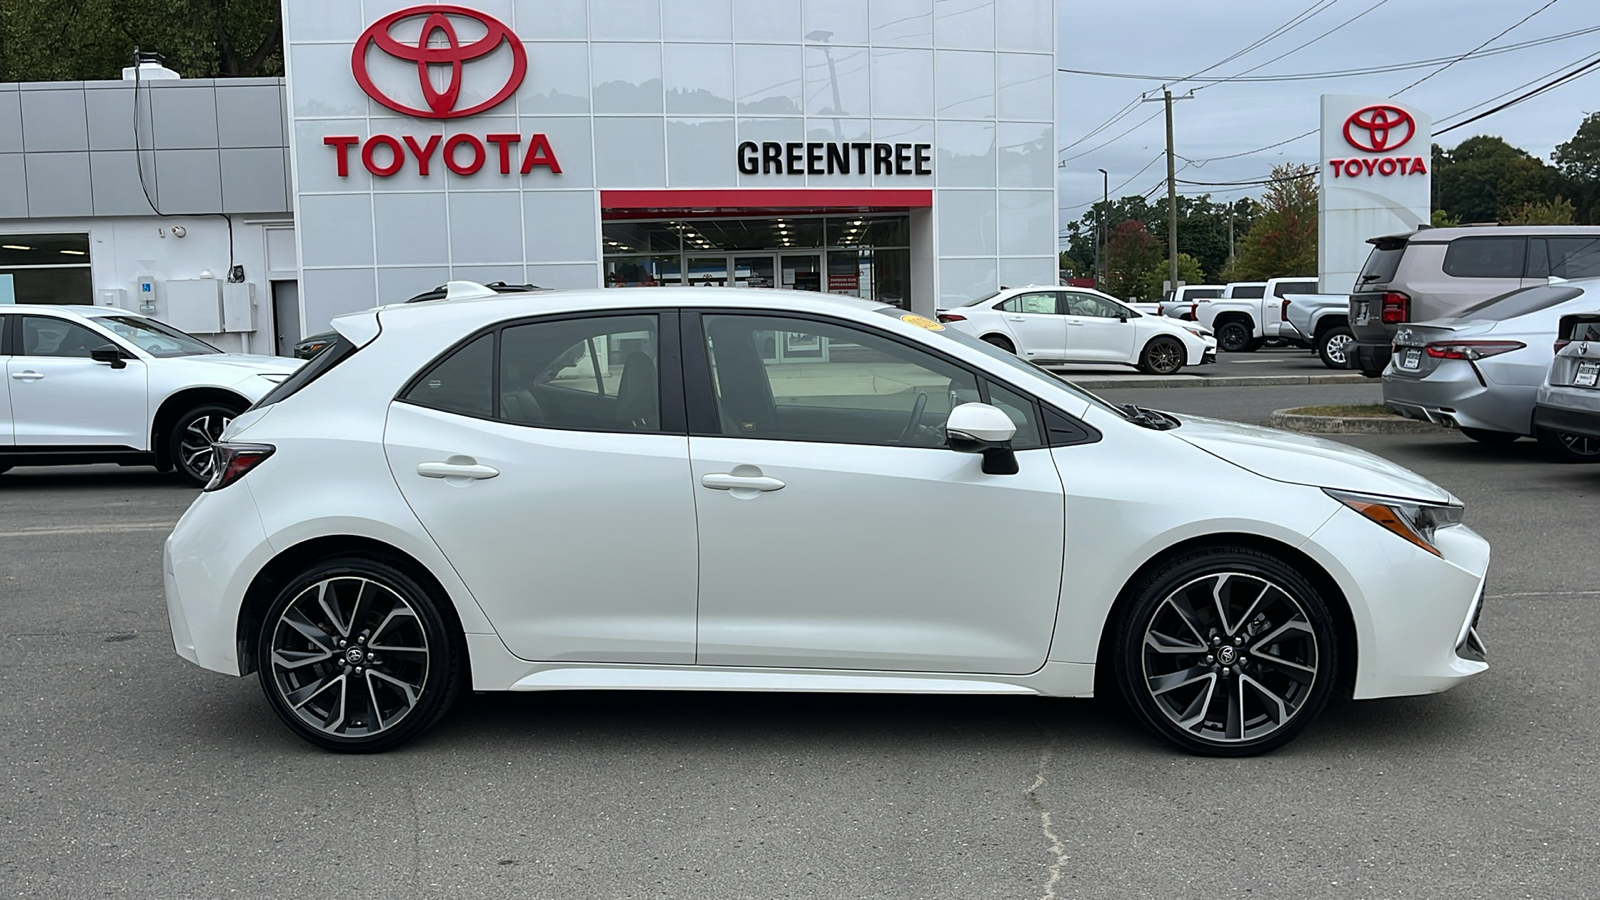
{"x":6,"y":434}
{"x":1035,"y":319}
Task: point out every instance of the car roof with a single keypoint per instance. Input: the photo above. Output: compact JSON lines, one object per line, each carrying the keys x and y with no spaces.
{"x":504,"y":306}
{"x":69,"y":309}
{"x":1443,"y":235}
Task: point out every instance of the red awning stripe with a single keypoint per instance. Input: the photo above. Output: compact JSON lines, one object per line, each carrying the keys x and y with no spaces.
{"x":769,"y":198}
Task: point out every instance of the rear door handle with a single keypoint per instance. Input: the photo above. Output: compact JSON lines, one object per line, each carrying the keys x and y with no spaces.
{"x":28,"y":375}
{"x":726,"y":482}
{"x":1016,"y":318}
{"x":455,"y":470}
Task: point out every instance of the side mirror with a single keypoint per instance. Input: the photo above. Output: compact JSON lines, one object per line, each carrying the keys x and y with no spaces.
{"x":109,"y":354}
{"x":981,"y":428}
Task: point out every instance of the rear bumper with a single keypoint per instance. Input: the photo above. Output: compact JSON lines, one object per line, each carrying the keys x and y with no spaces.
{"x":1369,"y":358}
{"x":1453,"y":396}
{"x":1567,"y":419}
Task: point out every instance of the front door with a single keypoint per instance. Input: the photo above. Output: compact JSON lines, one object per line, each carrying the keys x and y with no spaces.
{"x":1096,"y":329}
{"x":563,"y":501}
{"x":836,"y":529}
{"x":60,"y":397}
{"x":1035,"y":320}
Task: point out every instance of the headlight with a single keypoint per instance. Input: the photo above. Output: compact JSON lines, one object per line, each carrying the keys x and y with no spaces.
{"x":1196,"y":330}
{"x":1411,"y":521}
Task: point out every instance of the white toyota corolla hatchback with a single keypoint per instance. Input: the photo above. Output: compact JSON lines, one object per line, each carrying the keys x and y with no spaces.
{"x":705,"y":489}
{"x":1059,"y":325}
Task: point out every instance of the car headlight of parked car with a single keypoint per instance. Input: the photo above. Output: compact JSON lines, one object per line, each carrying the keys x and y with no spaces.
{"x":1196,"y":330}
{"x":1410,"y":520}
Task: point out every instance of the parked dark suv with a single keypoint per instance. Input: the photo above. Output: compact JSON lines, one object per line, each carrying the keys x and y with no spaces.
{"x":1434,"y":273}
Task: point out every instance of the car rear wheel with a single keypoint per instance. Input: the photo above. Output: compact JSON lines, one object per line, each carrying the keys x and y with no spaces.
{"x":1567,"y":447}
{"x":1162,"y":356}
{"x":1000,"y":342}
{"x":1332,"y":346}
{"x":356,"y":657}
{"x":1233,"y":336}
{"x":189,"y":443}
{"x":1492,"y":438}
{"x":1226,"y":652}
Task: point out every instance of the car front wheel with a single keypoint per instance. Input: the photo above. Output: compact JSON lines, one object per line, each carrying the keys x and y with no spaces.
{"x":1162,"y":356}
{"x":355,"y":656}
{"x":189,"y":442}
{"x":1333,"y":347}
{"x":1226,"y":652}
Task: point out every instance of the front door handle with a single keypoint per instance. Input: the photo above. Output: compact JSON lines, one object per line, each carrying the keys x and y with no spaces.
{"x":455,"y":470}
{"x":727,"y":482}
{"x":27,"y":375}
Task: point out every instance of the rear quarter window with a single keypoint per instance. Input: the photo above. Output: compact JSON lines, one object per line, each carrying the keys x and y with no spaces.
{"x":1382,"y":264}
{"x":1486,"y":257}
{"x":315,"y":368}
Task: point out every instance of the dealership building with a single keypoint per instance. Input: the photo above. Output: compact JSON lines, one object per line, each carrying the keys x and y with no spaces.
{"x":895,"y":150}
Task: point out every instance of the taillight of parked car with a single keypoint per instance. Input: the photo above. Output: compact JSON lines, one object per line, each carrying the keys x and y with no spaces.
{"x":1472,"y":349}
{"x":1396,"y":308}
{"x":1283,"y":311}
{"x":234,"y":461}
{"x":951,"y":317}
{"x":1560,"y":343}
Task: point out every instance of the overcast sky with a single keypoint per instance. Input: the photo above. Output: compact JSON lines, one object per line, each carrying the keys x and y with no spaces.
{"x":1164,"y":37}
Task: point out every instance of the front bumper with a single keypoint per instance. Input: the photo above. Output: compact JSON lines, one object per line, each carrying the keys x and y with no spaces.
{"x":1415,"y":613}
{"x":1454,"y":396}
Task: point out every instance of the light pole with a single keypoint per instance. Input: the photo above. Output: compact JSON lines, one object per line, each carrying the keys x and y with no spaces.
{"x":1100,"y":225}
{"x":823,"y":37}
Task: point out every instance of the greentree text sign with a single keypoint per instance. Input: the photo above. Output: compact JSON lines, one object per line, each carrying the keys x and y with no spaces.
{"x":830,"y":158}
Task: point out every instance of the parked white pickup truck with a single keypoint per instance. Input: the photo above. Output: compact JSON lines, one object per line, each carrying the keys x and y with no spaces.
{"x":1326,"y":319}
{"x":1250,"y":312}
{"x":1184,"y":302}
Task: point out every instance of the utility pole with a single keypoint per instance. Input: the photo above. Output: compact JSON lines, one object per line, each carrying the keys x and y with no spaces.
{"x":1172,"y":187}
{"x":1100,"y":226}
{"x":1230,"y":232}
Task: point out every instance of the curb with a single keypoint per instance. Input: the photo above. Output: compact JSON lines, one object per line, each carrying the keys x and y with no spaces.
{"x":1288,"y":421}
{"x":1179,"y":381}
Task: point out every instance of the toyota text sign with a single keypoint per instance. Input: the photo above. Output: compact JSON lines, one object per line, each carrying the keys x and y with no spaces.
{"x":1376,"y":154}
{"x":1379,"y":129}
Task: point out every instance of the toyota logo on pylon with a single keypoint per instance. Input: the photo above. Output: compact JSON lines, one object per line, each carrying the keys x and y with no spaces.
{"x":1383,"y":128}
{"x":439,"y":45}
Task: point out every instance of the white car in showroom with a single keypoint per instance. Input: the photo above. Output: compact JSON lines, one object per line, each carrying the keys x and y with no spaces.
{"x":1056,"y":326}
{"x":87,"y":384}
{"x":764,"y":490}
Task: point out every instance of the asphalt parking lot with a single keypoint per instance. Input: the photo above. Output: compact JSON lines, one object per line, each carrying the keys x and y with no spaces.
{"x":131,"y":773}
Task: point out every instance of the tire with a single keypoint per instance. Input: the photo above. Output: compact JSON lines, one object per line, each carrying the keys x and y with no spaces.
{"x":1333,"y":346}
{"x":1233,"y":336}
{"x":1000,"y":342}
{"x":1162,"y":356}
{"x":326,"y":622}
{"x":1491,"y":438}
{"x":184,"y":450}
{"x":1174,"y":652}
{"x":1566,"y":447}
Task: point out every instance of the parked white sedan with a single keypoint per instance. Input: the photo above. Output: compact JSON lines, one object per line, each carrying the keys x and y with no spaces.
{"x":1055,"y":326}
{"x":89,"y":384}
{"x":760,"y":490}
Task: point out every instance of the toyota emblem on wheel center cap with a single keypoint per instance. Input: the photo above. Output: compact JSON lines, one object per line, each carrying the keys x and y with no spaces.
{"x":354,"y":655}
{"x":1227,"y":655}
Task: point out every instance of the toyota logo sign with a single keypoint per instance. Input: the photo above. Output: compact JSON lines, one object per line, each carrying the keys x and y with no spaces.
{"x":1379,"y":129}
{"x":439,"y":47}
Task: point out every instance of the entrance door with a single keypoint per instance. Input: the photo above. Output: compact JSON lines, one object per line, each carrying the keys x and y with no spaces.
{"x":708,"y":271}
{"x":824,"y":496}
{"x":802,"y":272}
{"x":754,"y":271}
{"x":286,"y":316}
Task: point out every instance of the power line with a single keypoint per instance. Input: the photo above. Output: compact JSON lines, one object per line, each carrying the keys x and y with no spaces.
{"x":1119,"y":137}
{"x":1250,"y":182}
{"x":1510,"y":91}
{"x":1497,"y":37}
{"x":1343,"y":73}
{"x":1300,"y":47}
{"x":1547,"y":86}
{"x":1304,"y":16}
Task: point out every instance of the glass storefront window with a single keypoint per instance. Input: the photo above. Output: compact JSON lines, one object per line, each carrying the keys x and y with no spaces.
{"x":869,"y":231}
{"x":643,"y":271}
{"x":45,"y":268}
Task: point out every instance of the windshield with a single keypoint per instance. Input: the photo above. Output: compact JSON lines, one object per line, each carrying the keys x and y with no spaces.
{"x":155,"y":338}
{"x":989,"y":296}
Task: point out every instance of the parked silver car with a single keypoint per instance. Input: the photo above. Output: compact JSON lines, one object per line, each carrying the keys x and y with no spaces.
{"x":1436,"y":273}
{"x":1480,"y":372}
{"x":1566,"y":413}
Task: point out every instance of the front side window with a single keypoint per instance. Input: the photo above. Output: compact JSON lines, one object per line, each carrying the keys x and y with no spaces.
{"x":1040,"y":302}
{"x":1485,"y":257}
{"x":1090,"y":306}
{"x":155,"y":338}
{"x":858,"y":388}
{"x":45,"y":336}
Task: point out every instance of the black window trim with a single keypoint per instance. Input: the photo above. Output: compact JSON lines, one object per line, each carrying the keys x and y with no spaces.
{"x":700,"y":395}
{"x":12,"y":345}
{"x":669,"y":366}
{"x":5,"y":333}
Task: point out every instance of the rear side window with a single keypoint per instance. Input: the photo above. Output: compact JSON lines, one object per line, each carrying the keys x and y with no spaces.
{"x":1285,"y":288}
{"x":1564,"y":257}
{"x":1485,"y":257}
{"x":1043,"y":302}
{"x":1249,"y":292}
{"x":1520,"y":303}
{"x":1382,"y":264}
{"x":462,"y":382}
{"x":339,"y":351}
{"x":1202,"y":294}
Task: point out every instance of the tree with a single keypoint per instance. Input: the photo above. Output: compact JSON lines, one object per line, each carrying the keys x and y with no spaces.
{"x":1541,"y":212}
{"x":1484,"y":176}
{"x":1155,"y":277}
{"x":1129,"y":254}
{"x":1578,"y":161}
{"x":1283,"y":238}
{"x":51,"y":40}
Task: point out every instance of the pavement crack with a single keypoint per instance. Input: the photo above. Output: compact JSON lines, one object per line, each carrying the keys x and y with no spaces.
{"x":1054,"y":846}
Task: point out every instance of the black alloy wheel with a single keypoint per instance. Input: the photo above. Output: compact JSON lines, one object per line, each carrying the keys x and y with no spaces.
{"x":1233,"y":336}
{"x":1000,"y":342}
{"x":1162,"y":356}
{"x":1491,"y":438}
{"x":1564,"y":446}
{"x":1333,"y":346}
{"x":189,"y":445}
{"x":1226,"y":652}
{"x":355,"y":656}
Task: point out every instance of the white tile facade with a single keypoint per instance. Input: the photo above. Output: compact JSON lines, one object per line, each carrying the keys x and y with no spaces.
{"x":638,"y":94}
